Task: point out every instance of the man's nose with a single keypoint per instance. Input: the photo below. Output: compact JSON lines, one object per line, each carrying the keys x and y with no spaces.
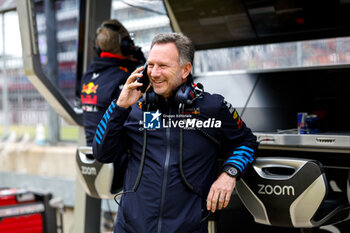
{"x":155,"y":71}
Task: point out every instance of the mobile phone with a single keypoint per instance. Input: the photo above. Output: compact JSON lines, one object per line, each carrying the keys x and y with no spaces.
{"x":144,"y":79}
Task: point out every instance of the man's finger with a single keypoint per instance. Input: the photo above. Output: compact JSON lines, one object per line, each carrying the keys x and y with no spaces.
{"x":139,"y":69}
{"x":134,"y":85}
{"x":227,"y":199}
{"x":214,"y":201}
{"x":132,"y":78}
{"x":221,"y":200}
{"x":210,"y":196}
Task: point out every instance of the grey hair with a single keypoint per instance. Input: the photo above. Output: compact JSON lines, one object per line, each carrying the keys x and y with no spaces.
{"x":183,"y":44}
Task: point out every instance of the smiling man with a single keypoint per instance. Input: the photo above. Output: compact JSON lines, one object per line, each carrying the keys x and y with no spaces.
{"x":171,"y":181}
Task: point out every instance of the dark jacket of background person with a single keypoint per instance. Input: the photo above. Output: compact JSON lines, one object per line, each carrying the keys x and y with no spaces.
{"x":117,"y":57}
{"x":100,"y":85}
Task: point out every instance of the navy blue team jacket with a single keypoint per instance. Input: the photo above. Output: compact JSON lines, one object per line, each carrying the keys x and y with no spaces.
{"x":162,"y":203}
{"x":101,"y":84}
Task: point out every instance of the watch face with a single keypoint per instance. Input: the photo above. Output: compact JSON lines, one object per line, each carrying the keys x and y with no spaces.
{"x":232,"y":171}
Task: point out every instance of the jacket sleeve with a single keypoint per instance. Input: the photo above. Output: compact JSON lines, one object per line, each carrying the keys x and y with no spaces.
{"x":108,"y":142}
{"x":240,"y":143}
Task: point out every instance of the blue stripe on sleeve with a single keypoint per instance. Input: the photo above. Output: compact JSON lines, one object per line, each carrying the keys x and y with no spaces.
{"x":110,"y":109}
{"x":233,"y":161}
{"x":105,"y":117}
{"x":103,"y":124}
{"x":98,"y":134}
{"x":240,"y":158}
{"x":107,"y":114}
{"x":242,"y":152}
{"x":113,"y":104}
{"x":102,"y":131}
{"x":97,"y":140}
{"x":246,"y":148}
{"x":238,"y":164}
{"x":243,"y":160}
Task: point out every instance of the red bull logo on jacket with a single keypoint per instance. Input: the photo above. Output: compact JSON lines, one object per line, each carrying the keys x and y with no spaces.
{"x":90,"y":90}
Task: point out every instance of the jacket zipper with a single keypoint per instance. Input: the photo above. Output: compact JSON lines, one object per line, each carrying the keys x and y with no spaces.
{"x":165,"y":180}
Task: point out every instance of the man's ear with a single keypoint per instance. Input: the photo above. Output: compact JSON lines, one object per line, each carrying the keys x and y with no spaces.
{"x":186,"y":70}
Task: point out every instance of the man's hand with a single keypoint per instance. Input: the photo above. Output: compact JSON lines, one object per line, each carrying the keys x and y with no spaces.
{"x":130,"y":95}
{"x":220,"y":192}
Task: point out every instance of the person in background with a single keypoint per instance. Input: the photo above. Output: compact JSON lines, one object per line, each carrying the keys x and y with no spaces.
{"x":117,"y":57}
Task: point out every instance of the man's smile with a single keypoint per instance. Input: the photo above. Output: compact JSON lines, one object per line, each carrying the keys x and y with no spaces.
{"x":157,"y":81}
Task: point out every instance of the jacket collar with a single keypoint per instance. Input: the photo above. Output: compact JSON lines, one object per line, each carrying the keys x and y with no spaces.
{"x":112,"y":55}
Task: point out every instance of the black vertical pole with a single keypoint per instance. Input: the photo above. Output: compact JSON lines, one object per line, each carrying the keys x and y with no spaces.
{"x":52,"y":64}
{"x":81,"y":43}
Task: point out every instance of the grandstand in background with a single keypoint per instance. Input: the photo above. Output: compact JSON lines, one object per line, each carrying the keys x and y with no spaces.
{"x":21,"y":104}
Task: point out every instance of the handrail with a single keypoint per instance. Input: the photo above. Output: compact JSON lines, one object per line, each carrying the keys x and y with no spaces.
{"x":32,"y":65}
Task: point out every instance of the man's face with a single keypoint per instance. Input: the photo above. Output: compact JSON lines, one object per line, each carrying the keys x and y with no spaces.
{"x":164,"y":70}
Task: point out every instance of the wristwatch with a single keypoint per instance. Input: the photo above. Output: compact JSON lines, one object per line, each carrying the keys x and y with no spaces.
{"x":231,"y":171}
